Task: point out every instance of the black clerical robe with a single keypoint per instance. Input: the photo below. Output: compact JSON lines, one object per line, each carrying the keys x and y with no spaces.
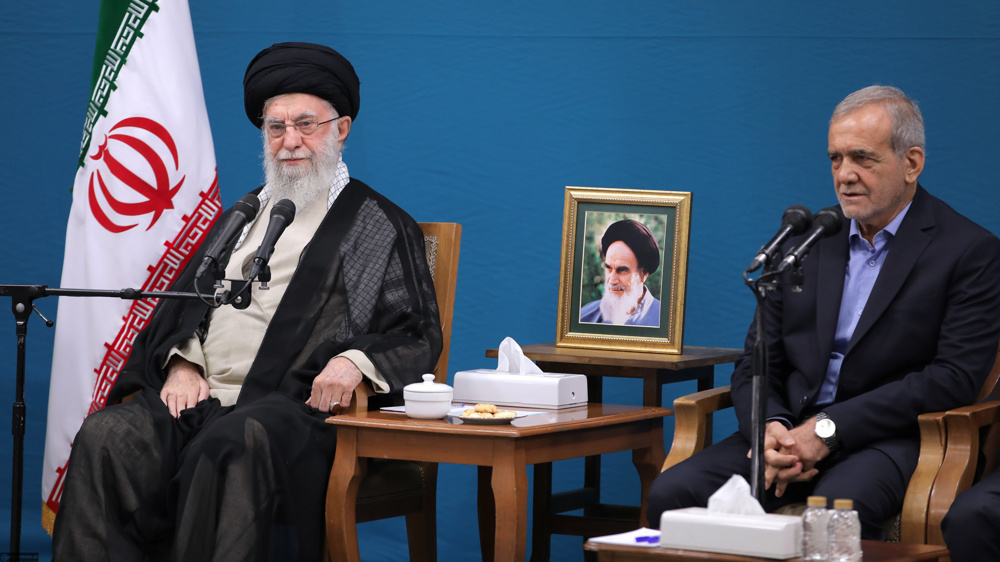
{"x":362,"y":283}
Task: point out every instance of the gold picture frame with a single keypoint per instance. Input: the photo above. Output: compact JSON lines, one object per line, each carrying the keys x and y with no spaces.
{"x":634,"y":323}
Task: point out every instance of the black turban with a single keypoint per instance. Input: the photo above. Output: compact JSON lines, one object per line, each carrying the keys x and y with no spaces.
{"x":300,"y":68}
{"x":638,"y":238}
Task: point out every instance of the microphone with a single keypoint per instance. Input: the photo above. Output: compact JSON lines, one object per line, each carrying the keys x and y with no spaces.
{"x":795,"y":220}
{"x":282,"y":215}
{"x":244,"y":211}
{"x":827,"y":222}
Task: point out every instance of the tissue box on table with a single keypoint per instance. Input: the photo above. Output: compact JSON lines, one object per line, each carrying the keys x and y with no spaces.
{"x":767,"y":535}
{"x":542,"y":390}
{"x":517,"y":381}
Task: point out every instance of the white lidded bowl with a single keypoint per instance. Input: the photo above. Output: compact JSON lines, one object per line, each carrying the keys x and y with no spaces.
{"x":427,"y":400}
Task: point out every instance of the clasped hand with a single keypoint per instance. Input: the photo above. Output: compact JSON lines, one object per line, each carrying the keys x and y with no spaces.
{"x":791,"y":455}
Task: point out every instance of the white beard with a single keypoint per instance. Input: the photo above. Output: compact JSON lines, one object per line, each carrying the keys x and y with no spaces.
{"x":302,"y":184}
{"x":616,"y":309}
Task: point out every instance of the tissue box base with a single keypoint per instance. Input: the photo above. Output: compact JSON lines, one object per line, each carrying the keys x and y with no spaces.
{"x":546,"y":390}
{"x":696,"y":528}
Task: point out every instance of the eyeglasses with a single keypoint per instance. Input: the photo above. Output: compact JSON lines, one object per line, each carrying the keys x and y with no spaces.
{"x":304,"y":127}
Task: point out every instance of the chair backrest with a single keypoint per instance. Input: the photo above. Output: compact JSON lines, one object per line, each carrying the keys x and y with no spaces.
{"x":443,"y":241}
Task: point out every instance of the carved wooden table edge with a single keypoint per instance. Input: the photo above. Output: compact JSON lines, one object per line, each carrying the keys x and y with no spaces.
{"x":872,"y":551}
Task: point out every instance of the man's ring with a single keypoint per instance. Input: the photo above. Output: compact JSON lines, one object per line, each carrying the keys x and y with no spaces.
{"x":334,"y":405}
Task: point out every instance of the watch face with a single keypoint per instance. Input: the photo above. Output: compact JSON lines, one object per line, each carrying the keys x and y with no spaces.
{"x":825,"y":428}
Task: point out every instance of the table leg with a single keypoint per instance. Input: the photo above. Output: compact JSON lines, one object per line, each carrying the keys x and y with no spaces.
{"x":652,"y":390}
{"x":592,"y":478}
{"x":648,"y":462}
{"x":486,"y":509}
{"x":342,"y":497}
{"x":541,"y":538}
{"x":510,"y":495}
{"x":592,"y":465}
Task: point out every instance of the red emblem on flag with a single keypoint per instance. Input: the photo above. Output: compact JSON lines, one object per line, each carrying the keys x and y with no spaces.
{"x":146,"y":174}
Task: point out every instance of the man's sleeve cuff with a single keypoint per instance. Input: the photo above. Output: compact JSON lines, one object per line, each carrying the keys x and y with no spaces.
{"x":784,"y":421}
{"x":189,"y":350}
{"x":367,"y":368}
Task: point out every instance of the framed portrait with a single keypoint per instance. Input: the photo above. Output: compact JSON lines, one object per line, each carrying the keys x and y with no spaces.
{"x":624,"y":269}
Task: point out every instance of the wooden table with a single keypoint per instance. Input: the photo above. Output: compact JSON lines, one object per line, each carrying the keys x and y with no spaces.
{"x":872,"y":551}
{"x":503,"y":453}
{"x":655,"y":370}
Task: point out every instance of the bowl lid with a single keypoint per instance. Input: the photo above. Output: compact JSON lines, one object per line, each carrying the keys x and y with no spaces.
{"x":427,"y":386}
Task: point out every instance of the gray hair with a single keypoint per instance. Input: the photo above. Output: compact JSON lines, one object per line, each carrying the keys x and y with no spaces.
{"x":907,"y":122}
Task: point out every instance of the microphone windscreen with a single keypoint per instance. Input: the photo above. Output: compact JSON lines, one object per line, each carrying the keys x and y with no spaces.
{"x":284,"y":209}
{"x":829,"y":219}
{"x":798,"y":217}
{"x":248,"y":205}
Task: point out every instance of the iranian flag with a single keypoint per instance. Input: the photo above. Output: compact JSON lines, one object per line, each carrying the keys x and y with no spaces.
{"x":144,"y":197}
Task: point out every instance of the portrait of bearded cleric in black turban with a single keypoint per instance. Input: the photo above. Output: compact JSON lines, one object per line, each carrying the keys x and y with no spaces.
{"x":622,"y":278}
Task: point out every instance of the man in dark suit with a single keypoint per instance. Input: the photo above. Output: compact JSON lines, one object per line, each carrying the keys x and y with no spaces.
{"x":898,"y":314}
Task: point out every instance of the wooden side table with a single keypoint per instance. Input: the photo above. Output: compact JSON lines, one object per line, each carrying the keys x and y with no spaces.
{"x":502,"y":453}
{"x":872,"y":551}
{"x":655,"y":370}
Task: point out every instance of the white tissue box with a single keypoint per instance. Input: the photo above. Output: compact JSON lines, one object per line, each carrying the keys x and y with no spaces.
{"x":545,"y":390}
{"x":696,"y":528}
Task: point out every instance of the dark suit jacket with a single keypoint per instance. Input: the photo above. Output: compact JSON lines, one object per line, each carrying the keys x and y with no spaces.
{"x":925,"y":341}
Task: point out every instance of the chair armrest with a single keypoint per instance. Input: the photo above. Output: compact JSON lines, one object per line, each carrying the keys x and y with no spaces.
{"x":690,"y":422}
{"x":913,"y":518}
{"x":359,"y":402}
{"x":958,"y":466}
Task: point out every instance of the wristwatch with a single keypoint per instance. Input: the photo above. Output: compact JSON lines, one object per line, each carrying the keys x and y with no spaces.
{"x":827,"y":431}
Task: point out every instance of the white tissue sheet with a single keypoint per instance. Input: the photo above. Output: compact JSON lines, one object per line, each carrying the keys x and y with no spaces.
{"x":735,"y":497}
{"x":511,"y":359}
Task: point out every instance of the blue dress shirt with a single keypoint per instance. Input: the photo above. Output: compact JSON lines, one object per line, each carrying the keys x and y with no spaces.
{"x":863,"y":267}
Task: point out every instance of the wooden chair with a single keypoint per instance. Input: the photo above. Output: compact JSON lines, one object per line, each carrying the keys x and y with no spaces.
{"x":393,"y":488}
{"x":936,"y":481}
{"x":970,"y":431}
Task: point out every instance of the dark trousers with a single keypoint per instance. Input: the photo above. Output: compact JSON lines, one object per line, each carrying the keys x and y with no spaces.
{"x":972,"y":526}
{"x":868,"y":476}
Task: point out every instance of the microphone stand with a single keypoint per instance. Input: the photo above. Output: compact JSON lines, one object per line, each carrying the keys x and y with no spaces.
{"x":767,"y":281}
{"x":22,"y":305}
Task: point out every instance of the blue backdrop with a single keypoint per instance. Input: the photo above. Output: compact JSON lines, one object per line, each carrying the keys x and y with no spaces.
{"x":482,"y":112}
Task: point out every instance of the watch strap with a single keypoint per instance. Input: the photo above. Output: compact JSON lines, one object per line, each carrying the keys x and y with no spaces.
{"x":831,"y":441}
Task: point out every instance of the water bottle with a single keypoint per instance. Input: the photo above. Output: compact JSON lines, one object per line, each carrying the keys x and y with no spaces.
{"x":815,"y":545}
{"x":844,"y":532}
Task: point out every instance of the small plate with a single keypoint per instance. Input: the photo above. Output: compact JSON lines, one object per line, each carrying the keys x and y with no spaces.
{"x":485,"y":421}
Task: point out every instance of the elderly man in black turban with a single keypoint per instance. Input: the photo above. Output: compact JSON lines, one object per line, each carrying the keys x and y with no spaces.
{"x":630,"y":254}
{"x":222,"y":452}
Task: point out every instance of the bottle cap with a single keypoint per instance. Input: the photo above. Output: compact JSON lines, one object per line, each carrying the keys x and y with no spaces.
{"x":843,"y":504}
{"x":817,"y":501}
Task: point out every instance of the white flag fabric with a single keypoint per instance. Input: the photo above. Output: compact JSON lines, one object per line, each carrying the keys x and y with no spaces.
{"x":144,"y":197}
